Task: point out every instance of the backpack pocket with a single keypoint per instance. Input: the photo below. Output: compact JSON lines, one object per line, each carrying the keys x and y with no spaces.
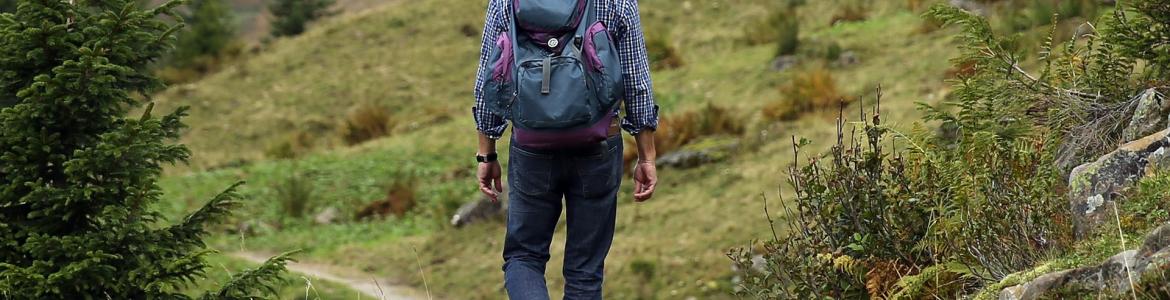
{"x":498,"y":91}
{"x":552,"y":94}
{"x":601,"y":56}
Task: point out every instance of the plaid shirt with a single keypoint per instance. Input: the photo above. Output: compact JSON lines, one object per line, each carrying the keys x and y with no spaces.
{"x":626,"y":27}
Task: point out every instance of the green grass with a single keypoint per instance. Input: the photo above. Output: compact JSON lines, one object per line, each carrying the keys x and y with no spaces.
{"x":410,"y":56}
{"x":296,"y":286}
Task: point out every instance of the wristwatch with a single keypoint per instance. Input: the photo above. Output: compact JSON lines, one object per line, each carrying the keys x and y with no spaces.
{"x":491,"y":157}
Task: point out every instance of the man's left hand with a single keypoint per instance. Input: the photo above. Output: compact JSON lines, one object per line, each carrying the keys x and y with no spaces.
{"x":645,"y":179}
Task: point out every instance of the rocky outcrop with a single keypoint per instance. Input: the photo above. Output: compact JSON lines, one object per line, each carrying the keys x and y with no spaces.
{"x":699,"y":153}
{"x":328,"y":216}
{"x":1114,"y":275}
{"x":479,"y":210}
{"x":1095,"y":186}
{"x":972,"y":6}
{"x":1149,"y":117}
{"x":783,"y":63}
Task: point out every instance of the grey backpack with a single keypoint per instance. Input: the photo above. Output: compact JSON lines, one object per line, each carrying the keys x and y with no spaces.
{"x":555,"y":74}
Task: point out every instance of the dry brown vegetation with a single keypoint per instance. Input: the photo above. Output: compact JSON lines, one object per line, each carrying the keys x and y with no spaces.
{"x":663,"y":55}
{"x":399,"y":200}
{"x":811,"y":90}
{"x":365,"y":122}
{"x":676,"y":130}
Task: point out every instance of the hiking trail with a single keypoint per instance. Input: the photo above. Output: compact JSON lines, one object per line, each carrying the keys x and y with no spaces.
{"x":366,"y":284}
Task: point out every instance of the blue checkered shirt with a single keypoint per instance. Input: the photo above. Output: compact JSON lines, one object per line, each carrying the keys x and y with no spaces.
{"x":621,"y":16}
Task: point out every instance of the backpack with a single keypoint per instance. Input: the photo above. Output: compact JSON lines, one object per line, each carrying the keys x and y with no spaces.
{"x":555,"y":74}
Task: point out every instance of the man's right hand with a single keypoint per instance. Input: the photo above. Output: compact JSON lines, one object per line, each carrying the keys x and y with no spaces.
{"x":490,"y":184}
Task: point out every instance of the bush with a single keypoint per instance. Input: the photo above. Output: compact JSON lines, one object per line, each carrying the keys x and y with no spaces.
{"x":891,"y":224}
{"x":852,"y":11}
{"x":833,"y":51}
{"x":1025,"y":15}
{"x":295,"y":145}
{"x":295,"y":193}
{"x":663,"y":55}
{"x":365,"y":122}
{"x":679,"y":129}
{"x":811,"y":90}
{"x":962,"y":208}
{"x":291,"y":17}
{"x":781,"y":27}
{"x":7,"y":6}
{"x":204,"y":45}
{"x":1148,"y":204}
{"x":399,"y":200}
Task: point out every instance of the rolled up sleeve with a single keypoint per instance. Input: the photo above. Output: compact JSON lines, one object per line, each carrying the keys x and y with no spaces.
{"x":641,"y":110}
{"x":486,"y":122}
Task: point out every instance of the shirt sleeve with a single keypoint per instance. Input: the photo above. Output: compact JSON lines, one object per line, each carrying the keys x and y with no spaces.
{"x":641,"y":110}
{"x":486,"y":122}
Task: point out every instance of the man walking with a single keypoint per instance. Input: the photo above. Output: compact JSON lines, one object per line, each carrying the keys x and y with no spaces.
{"x":558,"y":69}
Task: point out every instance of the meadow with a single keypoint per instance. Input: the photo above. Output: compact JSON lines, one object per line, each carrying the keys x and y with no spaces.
{"x":278,"y":118}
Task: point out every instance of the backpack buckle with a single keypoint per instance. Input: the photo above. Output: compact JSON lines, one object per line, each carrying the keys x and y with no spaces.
{"x":545,"y":89}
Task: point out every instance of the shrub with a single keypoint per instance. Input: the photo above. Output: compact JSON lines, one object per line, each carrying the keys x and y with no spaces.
{"x":811,"y":90}
{"x":79,"y":185}
{"x":205,"y":44}
{"x":663,"y":55}
{"x":291,"y":17}
{"x":950,"y":214}
{"x":7,"y":6}
{"x":1148,"y":204}
{"x":365,"y":122}
{"x":295,"y":145}
{"x":399,"y":200}
{"x":295,"y":193}
{"x":851,"y":11}
{"x":891,"y":224}
{"x":1025,"y":15}
{"x":782,"y":27}
{"x":679,"y":129}
{"x":833,"y":51}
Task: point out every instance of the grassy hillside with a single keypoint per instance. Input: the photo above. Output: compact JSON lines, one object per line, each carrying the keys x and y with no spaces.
{"x":414,"y":58}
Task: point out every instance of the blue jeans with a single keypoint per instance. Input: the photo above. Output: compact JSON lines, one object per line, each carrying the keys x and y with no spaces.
{"x":588,"y":181}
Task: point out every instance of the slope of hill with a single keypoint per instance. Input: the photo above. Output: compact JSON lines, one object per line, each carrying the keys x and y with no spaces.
{"x":415,"y":58}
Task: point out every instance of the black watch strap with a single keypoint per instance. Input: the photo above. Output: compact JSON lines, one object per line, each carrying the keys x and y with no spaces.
{"x":490,"y":157}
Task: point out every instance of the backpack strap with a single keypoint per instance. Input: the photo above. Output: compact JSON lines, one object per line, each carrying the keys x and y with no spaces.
{"x":511,"y":15}
{"x":582,"y":28}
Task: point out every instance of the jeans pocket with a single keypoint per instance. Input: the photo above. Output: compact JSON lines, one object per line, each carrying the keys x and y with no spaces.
{"x":528,"y":173}
{"x":601,"y":175}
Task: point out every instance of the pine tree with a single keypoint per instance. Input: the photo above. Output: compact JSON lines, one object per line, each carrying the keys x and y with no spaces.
{"x":7,"y":6}
{"x":78,"y":179}
{"x":210,"y":31}
{"x":290,"y":17}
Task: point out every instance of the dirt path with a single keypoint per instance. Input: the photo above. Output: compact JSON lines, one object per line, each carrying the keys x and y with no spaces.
{"x":367,"y":284}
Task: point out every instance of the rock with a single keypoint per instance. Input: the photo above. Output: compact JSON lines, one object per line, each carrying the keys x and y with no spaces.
{"x":1159,"y":160}
{"x":1113,"y":275}
{"x":327,"y":216}
{"x":478,"y":211}
{"x":1158,"y":240}
{"x":847,"y":58}
{"x":972,"y":6}
{"x":783,"y":63}
{"x":699,"y":153}
{"x":1093,"y":186}
{"x":1033,"y":289}
{"x":1149,"y":117}
{"x":253,"y":228}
